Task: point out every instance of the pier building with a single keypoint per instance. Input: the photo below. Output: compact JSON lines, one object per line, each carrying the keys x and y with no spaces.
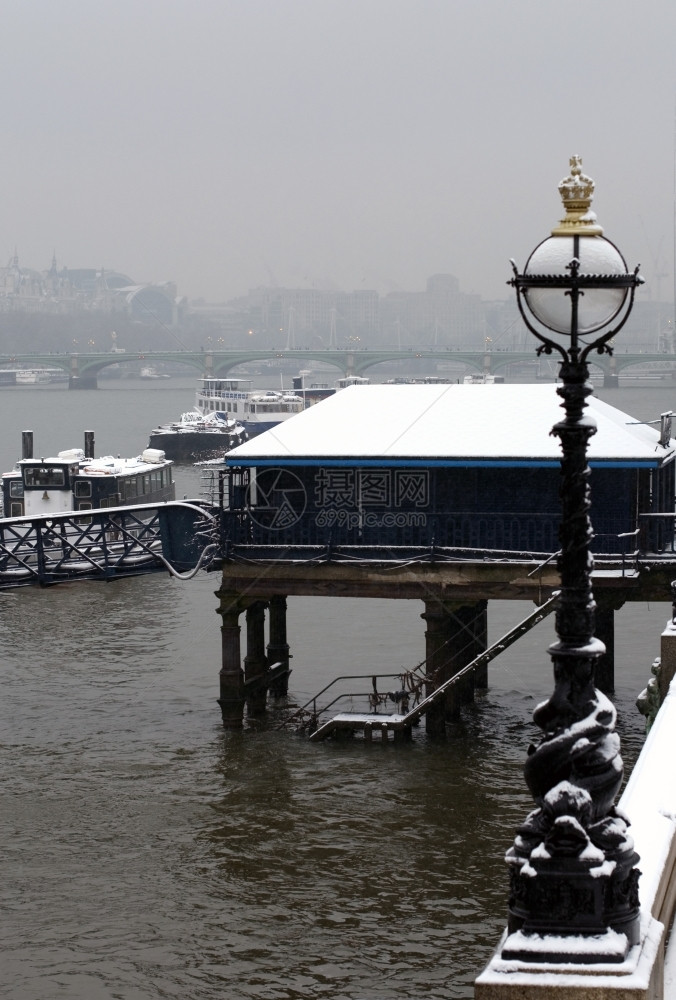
{"x":466,"y":467}
{"x":448,"y":494}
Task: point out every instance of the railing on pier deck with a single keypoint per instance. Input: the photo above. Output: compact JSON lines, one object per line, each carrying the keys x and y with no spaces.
{"x":114,"y":542}
{"x":124,"y":541}
{"x":662,"y":530}
{"x":625,"y":563}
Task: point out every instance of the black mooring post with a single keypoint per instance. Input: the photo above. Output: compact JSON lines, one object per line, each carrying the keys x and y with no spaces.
{"x":26,"y":444}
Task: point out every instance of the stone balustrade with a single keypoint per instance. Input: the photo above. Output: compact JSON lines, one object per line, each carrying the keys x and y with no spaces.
{"x":649,"y":801}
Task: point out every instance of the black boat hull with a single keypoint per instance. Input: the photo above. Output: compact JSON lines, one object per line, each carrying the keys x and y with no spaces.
{"x":194,"y":446}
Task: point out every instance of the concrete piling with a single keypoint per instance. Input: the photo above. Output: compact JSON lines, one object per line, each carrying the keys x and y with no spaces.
{"x":455,"y":635}
{"x":231,"y":675}
{"x":255,"y":661}
{"x":278,"y":647}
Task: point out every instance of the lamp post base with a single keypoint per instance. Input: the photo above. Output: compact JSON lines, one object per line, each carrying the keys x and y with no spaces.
{"x":564,"y":907}
{"x":609,"y":948}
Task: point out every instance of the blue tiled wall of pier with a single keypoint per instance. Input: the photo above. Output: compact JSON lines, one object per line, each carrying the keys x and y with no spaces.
{"x":505,"y":509}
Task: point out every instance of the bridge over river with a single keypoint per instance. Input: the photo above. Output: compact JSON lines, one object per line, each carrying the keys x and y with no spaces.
{"x":83,"y":368}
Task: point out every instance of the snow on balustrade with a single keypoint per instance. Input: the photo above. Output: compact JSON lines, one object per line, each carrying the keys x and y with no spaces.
{"x":649,"y":802}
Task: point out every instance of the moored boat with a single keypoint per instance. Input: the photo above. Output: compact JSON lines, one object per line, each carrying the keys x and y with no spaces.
{"x":75,"y":480}
{"x":348,"y":380}
{"x":257,"y":410}
{"x":311,"y":392}
{"x":266,"y":409}
{"x":194,"y":436}
{"x":479,"y":378}
{"x":39,"y":376}
{"x":226,"y":414}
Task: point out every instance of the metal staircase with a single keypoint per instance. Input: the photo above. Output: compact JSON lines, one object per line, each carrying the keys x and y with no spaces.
{"x":400,"y":723}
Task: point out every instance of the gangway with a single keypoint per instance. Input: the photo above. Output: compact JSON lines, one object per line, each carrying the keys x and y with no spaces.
{"x":178,"y":537}
{"x":399,"y":723}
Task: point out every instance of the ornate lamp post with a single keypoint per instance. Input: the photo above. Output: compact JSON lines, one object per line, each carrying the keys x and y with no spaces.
{"x":572,"y":865}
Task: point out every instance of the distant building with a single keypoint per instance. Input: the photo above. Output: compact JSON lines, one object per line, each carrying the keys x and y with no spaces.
{"x":67,"y":291}
{"x":295,"y":317}
{"x":440,"y":316}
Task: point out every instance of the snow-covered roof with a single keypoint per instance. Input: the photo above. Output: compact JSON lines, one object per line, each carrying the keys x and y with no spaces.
{"x":457,"y":424}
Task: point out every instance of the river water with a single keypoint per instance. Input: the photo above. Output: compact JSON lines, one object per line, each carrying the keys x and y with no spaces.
{"x":147,"y":854}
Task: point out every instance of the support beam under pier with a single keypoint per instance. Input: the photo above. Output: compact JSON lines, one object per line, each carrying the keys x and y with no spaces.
{"x":255,"y":661}
{"x":452,"y":640}
{"x":480,"y":630}
{"x":278,"y":647}
{"x":604,"y":677}
{"x":231,"y":676}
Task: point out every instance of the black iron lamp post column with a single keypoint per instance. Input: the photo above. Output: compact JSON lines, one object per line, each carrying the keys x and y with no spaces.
{"x":572,"y":865}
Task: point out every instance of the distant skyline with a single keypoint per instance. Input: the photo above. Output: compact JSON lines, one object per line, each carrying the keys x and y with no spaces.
{"x":331,"y":143}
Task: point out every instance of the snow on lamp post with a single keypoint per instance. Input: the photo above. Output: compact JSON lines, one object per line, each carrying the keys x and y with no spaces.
{"x":573,"y":880}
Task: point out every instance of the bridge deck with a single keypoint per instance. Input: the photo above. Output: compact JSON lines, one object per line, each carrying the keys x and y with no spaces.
{"x":345,"y":360}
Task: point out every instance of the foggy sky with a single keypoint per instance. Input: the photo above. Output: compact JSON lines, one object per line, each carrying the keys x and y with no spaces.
{"x":331,"y":143}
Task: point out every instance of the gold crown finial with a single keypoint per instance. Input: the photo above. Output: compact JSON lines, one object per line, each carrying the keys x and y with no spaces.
{"x":577,"y":192}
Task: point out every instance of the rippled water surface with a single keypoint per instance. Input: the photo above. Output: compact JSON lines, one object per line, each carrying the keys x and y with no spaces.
{"x":147,"y":854}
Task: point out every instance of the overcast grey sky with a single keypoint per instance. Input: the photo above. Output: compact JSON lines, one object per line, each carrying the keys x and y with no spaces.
{"x":226,"y":144}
